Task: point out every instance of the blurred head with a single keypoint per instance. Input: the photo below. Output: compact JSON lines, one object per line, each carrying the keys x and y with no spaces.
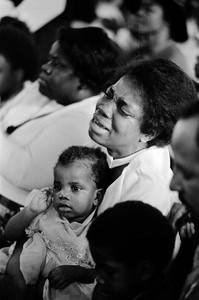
{"x":149,"y":16}
{"x":16,"y":23}
{"x":18,"y":61}
{"x":80,"y":63}
{"x":185,"y":145}
{"x":131,"y":243}
{"x":141,"y":108}
{"x":79,"y":181}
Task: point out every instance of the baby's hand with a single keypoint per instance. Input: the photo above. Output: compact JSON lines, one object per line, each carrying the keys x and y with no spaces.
{"x":40,"y":200}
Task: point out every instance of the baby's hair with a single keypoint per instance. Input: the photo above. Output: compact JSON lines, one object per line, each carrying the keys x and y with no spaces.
{"x":93,"y":158}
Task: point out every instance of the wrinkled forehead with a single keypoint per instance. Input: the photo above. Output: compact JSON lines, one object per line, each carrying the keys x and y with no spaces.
{"x":126,"y":86}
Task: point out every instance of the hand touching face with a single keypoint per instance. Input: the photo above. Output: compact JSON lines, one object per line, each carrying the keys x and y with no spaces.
{"x":40,"y":200}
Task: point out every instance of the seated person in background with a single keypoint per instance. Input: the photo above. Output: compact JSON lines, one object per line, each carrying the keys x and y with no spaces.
{"x":156,"y":27}
{"x":56,"y":222}
{"x":18,"y":62}
{"x":131,"y":244}
{"x":80,"y":63}
{"x":185,"y":145}
{"x":134,"y":121}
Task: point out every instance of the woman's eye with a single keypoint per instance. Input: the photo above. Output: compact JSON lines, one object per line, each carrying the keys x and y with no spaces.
{"x":55,"y":62}
{"x":124,"y":113}
{"x":107,"y":96}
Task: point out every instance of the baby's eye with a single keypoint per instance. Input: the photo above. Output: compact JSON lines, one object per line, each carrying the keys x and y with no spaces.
{"x":57,"y":188}
{"x":75,"y":188}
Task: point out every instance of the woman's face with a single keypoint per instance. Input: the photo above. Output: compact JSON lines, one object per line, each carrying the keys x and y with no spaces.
{"x":117,"y":119}
{"x":148,"y":19}
{"x":57,"y":79}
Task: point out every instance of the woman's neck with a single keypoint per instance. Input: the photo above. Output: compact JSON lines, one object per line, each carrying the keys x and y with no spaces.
{"x":121,"y":153}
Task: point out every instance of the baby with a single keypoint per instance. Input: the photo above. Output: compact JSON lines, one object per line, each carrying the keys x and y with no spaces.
{"x":56,"y":221}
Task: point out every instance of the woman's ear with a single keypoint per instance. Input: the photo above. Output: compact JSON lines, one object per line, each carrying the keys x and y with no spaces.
{"x":146,"y":138}
{"x":99,"y":194}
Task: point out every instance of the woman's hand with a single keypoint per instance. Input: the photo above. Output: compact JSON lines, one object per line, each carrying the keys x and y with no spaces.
{"x":62,"y":276}
{"x":40,"y":200}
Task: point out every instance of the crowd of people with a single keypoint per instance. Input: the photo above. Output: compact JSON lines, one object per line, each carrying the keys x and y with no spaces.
{"x":99,"y":164}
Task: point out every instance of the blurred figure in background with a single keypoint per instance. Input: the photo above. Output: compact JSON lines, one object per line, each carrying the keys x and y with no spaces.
{"x":18,"y":61}
{"x":155,"y":27}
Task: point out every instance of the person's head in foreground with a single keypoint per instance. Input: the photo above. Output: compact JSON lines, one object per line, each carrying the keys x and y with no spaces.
{"x":131,"y":244}
{"x":185,"y":145}
{"x":79,"y":181}
{"x":80,"y":62}
{"x":141,"y":108}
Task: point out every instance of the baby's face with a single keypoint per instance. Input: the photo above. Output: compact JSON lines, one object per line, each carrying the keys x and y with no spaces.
{"x":74,"y":191}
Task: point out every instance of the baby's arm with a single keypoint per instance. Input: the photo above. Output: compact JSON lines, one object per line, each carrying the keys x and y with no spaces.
{"x":62,"y":276}
{"x":40,"y":201}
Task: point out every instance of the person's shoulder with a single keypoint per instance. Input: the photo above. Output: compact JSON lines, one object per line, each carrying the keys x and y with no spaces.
{"x":77,"y":112}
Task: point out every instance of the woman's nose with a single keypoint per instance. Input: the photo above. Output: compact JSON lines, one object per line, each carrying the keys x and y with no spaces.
{"x":47,"y":68}
{"x":106,"y":108}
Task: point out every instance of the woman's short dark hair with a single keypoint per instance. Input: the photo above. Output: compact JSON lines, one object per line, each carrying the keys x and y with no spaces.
{"x":164,"y":88}
{"x":19,"y":50}
{"x":92,"y":54}
{"x":133,"y":231}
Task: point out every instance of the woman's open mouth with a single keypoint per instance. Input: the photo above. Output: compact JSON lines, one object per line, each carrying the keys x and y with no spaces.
{"x":98,"y":122}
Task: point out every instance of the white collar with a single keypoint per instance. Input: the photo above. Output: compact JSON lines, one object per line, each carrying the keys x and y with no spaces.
{"x":121,"y":161}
